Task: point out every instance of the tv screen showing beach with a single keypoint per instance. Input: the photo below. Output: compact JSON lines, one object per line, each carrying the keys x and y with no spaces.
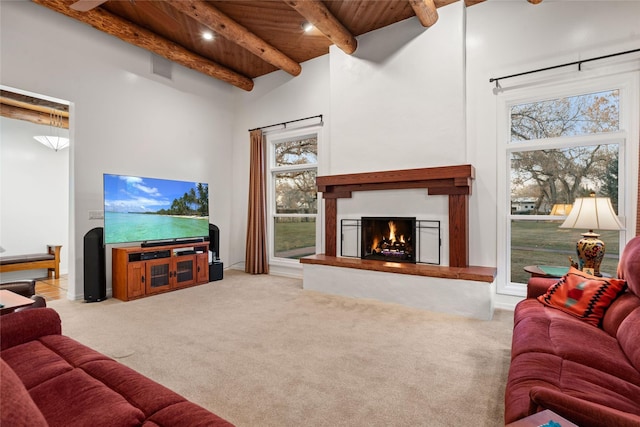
{"x":140,"y":209}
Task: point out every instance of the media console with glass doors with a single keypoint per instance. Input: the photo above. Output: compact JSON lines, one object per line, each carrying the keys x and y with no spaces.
{"x":142,"y":271}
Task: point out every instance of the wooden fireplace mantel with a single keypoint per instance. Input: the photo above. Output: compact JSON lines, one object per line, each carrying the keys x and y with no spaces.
{"x":453,"y":181}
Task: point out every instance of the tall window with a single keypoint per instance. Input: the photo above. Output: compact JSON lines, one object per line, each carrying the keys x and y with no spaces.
{"x":558,"y":148}
{"x":293,"y":196}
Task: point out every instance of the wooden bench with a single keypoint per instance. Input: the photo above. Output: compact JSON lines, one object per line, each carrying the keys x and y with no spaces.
{"x":49,"y":260}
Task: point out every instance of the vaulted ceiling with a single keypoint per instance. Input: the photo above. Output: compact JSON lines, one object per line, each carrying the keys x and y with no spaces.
{"x":250,"y":38}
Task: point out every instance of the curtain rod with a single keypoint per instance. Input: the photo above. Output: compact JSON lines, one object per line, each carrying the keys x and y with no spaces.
{"x":497,"y":79}
{"x":286,"y":123}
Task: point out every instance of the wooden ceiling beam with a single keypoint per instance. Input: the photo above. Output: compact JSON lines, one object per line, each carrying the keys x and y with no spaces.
{"x":86,"y":5}
{"x":469,"y":3}
{"x":30,"y":115}
{"x":35,"y":110}
{"x":124,"y":30}
{"x":426,"y":11}
{"x":212,"y":18}
{"x":320,"y":17}
{"x":33,"y":103}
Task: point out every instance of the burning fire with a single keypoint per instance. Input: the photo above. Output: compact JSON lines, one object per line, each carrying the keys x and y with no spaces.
{"x":386,"y":242}
{"x":376,"y":243}
{"x":392,"y":233}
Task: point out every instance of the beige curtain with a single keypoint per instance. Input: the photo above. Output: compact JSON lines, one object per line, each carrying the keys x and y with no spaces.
{"x":256,"y":259}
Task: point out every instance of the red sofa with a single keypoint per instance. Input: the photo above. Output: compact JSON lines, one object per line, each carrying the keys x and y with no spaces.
{"x":49,"y":379}
{"x":588,"y":374}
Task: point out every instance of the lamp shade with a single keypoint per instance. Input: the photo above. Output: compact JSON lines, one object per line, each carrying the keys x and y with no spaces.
{"x":592,"y":213}
{"x":54,"y":142}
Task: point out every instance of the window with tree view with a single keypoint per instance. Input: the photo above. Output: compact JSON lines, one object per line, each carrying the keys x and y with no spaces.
{"x":560,"y":149}
{"x":294,"y":196}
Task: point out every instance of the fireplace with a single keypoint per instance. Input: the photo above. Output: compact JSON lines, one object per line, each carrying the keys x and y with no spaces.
{"x":388,"y":239}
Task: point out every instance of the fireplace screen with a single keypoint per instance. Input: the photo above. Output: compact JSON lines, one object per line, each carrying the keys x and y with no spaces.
{"x":388,"y":239}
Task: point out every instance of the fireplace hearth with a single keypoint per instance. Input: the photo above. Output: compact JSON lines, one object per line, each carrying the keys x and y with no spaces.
{"x":388,"y":239}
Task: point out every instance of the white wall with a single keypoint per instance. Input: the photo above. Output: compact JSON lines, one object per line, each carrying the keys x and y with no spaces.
{"x":124,"y":120}
{"x":399,"y":100}
{"x":34,"y":195}
{"x":395,"y":104}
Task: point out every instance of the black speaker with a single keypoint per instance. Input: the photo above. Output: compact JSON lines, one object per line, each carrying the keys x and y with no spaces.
{"x":95,"y":278}
{"x":216,"y":267}
{"x":214,"y":241}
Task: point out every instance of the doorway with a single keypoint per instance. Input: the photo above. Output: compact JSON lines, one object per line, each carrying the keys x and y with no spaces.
{"x":34,"y":179}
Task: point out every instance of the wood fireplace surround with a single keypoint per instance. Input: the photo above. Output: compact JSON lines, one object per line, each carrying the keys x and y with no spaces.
{"x":452,"y":181}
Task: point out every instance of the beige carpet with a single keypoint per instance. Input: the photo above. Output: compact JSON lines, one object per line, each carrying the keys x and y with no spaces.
{"x":261,"y":351}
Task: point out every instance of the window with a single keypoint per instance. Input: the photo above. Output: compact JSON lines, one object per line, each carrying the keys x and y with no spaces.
{"x":561,"y":143}
{"x":293,"y":201}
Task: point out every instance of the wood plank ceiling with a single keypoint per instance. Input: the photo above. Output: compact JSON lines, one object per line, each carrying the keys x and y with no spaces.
{"x":251,"y":38}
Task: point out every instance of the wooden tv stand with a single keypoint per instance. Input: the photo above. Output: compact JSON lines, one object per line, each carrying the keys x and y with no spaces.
{"x":139,"y":272}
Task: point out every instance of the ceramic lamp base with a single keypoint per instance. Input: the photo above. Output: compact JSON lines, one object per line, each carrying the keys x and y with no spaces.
{"x":590,"y":252}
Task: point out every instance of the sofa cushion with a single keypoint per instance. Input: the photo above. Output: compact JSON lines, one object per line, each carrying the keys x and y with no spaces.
{"x":34,"y":363}
{"x":583,"y":295}
{"x":87,"y":402}
{"x":618,"y":311}
{"x":16,"y":406}
{"x":629,"y":337}
{"x":629,"y":265}
{"x":75,"y":353}
{"x":141,"y":391}
{"x":185,"y":414}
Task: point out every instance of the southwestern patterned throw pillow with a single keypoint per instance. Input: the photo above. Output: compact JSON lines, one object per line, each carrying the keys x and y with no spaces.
{"x":583,"y":295}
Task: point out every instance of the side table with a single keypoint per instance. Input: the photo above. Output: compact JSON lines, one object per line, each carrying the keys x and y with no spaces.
{"x":546,"y":270}
{"x":9,"y":301}
{"x":551,"y":271}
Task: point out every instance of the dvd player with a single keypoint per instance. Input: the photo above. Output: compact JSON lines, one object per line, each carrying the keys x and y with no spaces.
{"x":186,"y":252}
{"x":155,"y":255}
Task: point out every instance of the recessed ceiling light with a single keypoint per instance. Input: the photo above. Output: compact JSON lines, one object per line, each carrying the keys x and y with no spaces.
{"x":307,"y":26}
{"x":207,"y":35}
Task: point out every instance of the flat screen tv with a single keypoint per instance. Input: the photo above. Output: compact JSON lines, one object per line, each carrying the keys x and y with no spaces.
{"x":138,"y":209}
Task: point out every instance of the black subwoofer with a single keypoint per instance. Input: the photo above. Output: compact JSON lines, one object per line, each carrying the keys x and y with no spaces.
{"x":95,"y":278}
{"x":215,"y":271}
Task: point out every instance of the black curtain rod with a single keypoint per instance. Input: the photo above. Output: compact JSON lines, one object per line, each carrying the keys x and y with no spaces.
{"x":286,"y":123}
{"x":497,"y":79}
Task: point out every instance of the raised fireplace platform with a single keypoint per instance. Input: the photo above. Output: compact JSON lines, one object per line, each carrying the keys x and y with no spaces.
{"x":465,"y":291}
{"x":479,"y":274}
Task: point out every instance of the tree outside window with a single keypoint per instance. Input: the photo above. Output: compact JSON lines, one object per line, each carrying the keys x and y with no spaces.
{"x":555,"y":158}
{"x":294,"y":200}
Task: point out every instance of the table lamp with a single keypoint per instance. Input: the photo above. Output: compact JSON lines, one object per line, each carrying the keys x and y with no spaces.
{"x":592,"y":213}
